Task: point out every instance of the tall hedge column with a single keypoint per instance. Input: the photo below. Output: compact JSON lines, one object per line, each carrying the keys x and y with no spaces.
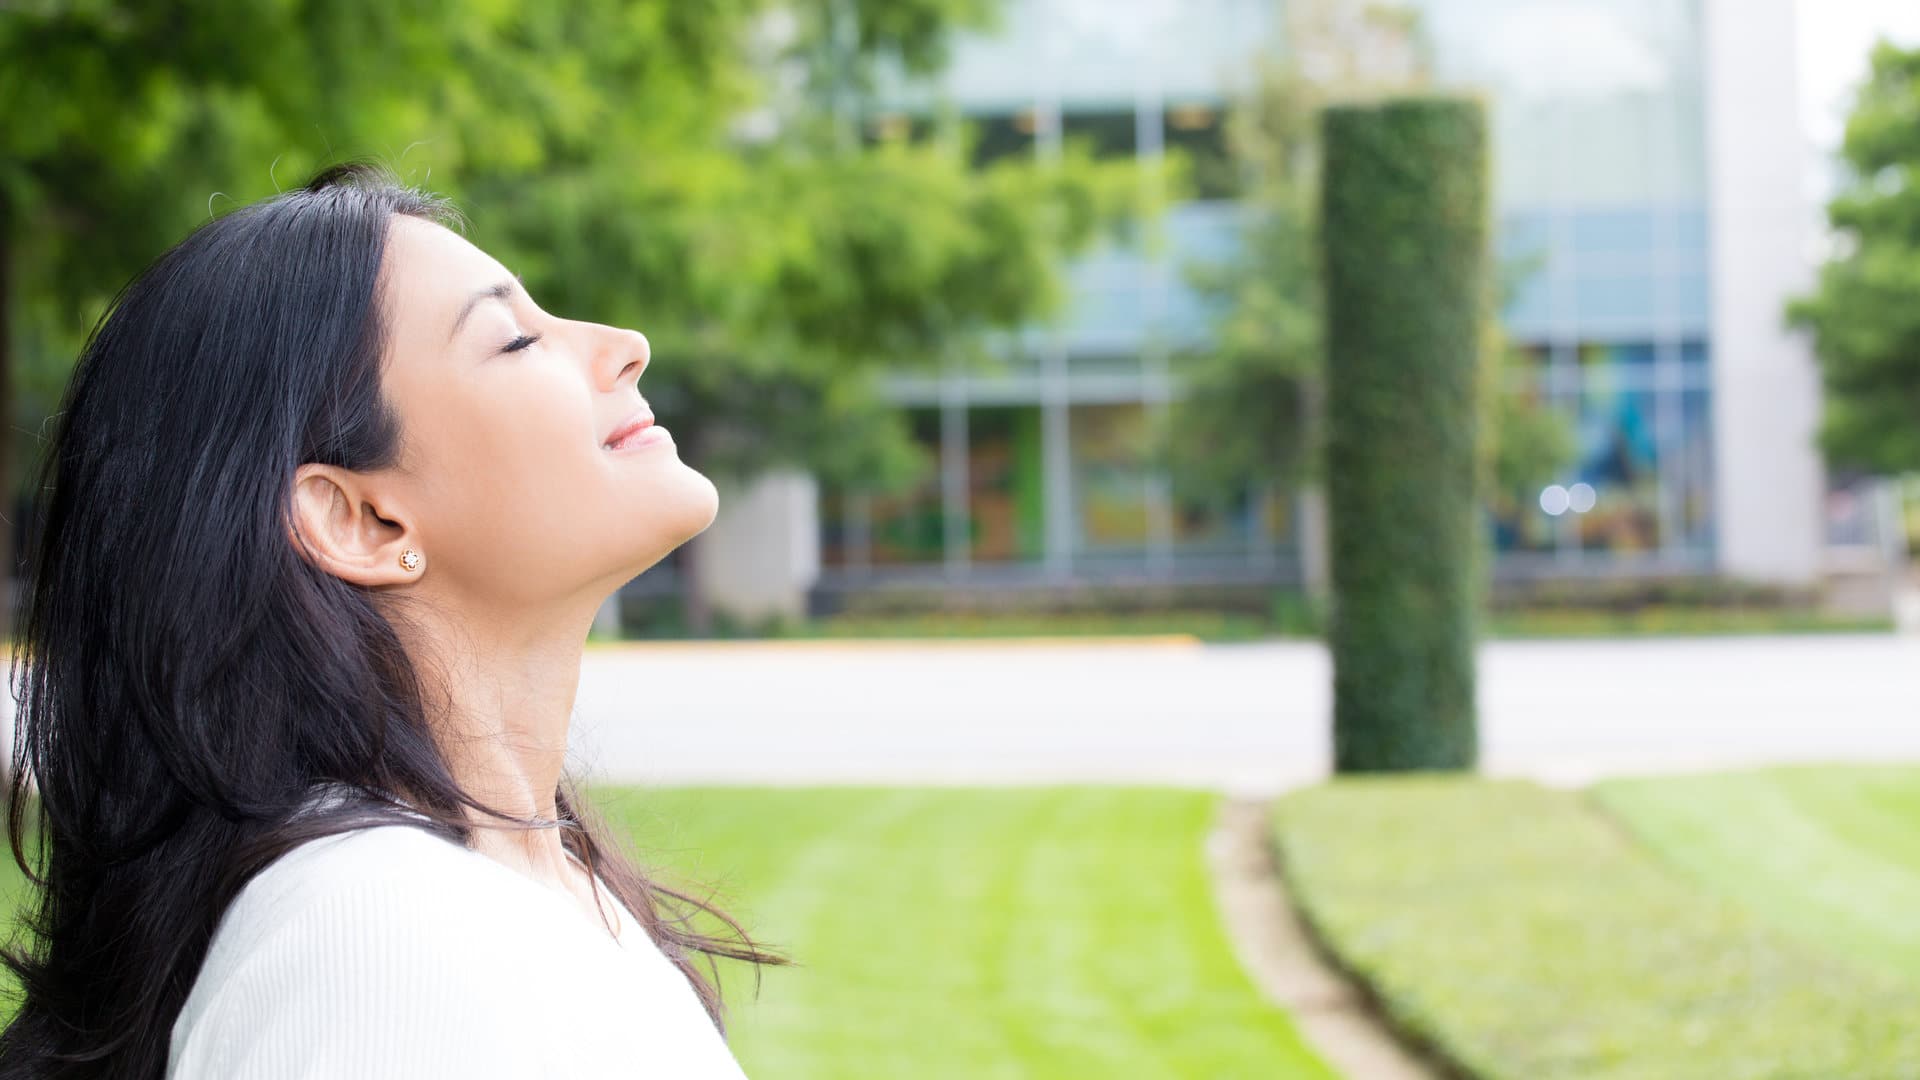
{"x":1405,"y":234}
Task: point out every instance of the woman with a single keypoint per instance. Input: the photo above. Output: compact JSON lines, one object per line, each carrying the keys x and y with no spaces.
{"x":329,"y":509}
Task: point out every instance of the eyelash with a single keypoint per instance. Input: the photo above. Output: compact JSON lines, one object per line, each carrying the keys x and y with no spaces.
{"x":521,"y":342}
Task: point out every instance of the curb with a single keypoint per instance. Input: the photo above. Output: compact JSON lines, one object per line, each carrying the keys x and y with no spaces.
{"x":1273,"y":945}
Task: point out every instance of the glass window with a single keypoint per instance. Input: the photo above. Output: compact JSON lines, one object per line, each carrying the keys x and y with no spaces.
{"x":1608,"y":366}
{"x":1596,"y":103}
{"x":888,"y":127}
{"x":838,"y":540}
{"x":1641,"y":481}
{"x":1005,"y":497}
{"x":1691,"y":302}
{"x":1534,"y":359}
{"x":1612,"y":232}
{"x":1618,"y":461}
{"x":1000,"y":135}
{"x":1525,"y":278}
{"x":1690,"y":229}
{"x":1520,"y":522}
{"x":1219,"y":527}
{"x":1613,"y":303}
{"x":1109,"y":477}
{"x":909,"y":528}
{"x":1692,"y":471}
{"x":1103,"y":363}
{"x":1275,"y":520}
{"x":1197,"y":45}
{"x":1197,"y":131}
{"x":1109,"y":132}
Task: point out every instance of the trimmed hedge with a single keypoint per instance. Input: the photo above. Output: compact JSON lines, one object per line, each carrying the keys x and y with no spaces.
{"x":1404,"y":211}
{"x":1519,"y":934}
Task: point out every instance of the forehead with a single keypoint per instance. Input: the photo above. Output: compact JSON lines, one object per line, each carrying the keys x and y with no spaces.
{"x":436,"y":260}
{"x":431,"y":265}
{"x":430,"y":272}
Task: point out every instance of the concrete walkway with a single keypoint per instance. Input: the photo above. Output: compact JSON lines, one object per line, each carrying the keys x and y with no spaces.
{"x":1251,"y":719}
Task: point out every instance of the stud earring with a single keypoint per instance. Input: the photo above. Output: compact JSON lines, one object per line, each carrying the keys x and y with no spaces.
{"x":410,"y":559}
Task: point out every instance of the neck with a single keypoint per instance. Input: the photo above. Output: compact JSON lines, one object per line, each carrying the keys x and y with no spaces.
{"x":500,"y":689}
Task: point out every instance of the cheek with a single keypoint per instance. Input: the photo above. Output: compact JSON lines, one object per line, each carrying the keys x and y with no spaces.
{"x":512,"y":456}
{"x":523,"y":493}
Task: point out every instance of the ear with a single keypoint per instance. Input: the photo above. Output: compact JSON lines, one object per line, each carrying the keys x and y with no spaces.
{"x":348,"y":524}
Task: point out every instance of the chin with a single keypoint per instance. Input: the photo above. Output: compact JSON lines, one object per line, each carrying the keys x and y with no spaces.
{"x":702,"y":503}
{"x":713,"y":505}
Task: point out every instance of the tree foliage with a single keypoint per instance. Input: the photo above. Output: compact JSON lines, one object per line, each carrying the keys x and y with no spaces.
{"x":1863,"y":312}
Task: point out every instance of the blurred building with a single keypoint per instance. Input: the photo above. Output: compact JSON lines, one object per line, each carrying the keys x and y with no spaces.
{"x":1648,"y":170}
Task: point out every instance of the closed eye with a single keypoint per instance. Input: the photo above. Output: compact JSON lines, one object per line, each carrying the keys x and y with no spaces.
{"x":520,"y":342}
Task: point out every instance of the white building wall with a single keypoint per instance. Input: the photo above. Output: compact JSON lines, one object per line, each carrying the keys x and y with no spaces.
{"x":762,"y":552}
{"x":1769,"y":477}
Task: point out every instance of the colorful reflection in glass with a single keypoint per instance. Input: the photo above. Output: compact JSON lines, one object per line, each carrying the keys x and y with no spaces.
{"x":1618,"y":457}
{"x":1641,"y":420}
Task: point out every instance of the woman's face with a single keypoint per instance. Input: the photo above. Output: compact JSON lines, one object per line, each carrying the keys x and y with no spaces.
{"x":514,"y":494}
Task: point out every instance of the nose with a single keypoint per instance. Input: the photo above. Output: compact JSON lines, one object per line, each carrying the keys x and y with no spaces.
{"x":621,"y":354}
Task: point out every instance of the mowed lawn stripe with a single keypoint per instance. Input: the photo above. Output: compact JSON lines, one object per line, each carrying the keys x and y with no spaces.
{"x":1055,"y":932}
{"x":1831,"y":854}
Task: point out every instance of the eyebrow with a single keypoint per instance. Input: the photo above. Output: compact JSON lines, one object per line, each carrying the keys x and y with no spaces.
{"x":502,"y":291}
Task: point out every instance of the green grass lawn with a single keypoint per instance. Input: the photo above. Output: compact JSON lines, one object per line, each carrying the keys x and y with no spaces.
{"x":1528,"y":935}
{"x":985,"y":934}
{"x":1066,"y":932}
{"x":1829,"y":854}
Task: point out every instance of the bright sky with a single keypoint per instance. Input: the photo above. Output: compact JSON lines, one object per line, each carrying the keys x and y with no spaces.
{"x":1835,"y":37}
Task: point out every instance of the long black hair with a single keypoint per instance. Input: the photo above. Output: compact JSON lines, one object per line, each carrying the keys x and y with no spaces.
{"x":189,"y":678}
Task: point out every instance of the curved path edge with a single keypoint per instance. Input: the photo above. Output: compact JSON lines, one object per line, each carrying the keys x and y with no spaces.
{"x":1275,"y":947}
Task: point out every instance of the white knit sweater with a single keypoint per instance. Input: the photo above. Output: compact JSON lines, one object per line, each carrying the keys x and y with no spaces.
{"x":387,"y":952}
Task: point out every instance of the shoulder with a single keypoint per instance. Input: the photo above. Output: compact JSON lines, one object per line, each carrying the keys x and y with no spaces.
{"x":383,"y":875}
{"x":398,"y":861}
{"x":384,"y":951}
{"x":392,"y":952}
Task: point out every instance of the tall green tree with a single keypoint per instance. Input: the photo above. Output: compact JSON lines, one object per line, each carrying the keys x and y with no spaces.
{"x":1863,"y":312}
{"x":693,"y":170}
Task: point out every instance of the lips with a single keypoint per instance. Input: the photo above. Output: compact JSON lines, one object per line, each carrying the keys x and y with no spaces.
{"x":633,"y":425}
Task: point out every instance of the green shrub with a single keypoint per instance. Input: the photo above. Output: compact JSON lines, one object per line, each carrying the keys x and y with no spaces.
{"x":1405,"y":235}
{"x":1519,"y":934}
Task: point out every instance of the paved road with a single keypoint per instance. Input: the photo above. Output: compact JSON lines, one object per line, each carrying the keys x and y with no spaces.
{"x":1248,"y":718}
